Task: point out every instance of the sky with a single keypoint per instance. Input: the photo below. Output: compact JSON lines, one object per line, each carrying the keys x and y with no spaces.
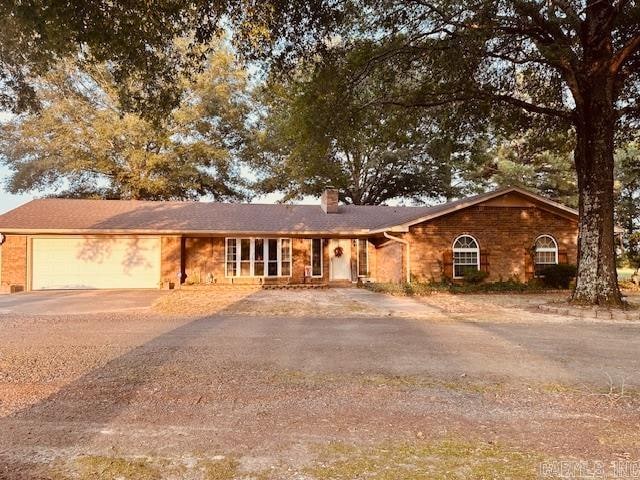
{"x":9,"y":201}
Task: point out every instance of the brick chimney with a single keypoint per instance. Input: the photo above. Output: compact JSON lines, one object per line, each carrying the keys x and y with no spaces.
{"x":329,"y":200}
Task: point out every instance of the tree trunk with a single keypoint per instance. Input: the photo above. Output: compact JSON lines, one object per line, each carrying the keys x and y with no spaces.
{"x":597,"y":281}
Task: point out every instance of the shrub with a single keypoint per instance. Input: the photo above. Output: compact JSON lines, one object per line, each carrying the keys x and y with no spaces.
{"x":475,"y":276}
{"x":558,"y":276}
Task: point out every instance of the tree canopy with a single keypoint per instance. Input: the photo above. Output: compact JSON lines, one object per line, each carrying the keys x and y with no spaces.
{"x":137,"y":40}
{"x":318,"y":130}
{"x":83,"y":142}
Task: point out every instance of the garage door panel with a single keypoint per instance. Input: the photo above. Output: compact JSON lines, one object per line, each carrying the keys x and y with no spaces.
{"x":95,"y":262}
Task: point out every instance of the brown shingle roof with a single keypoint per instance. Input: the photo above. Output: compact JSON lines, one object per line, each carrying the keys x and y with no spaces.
{"x":115,"y":215}
{"x":71,"y":215}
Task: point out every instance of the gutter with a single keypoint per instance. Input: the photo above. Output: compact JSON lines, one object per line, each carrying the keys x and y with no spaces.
{"x":406,"y":244}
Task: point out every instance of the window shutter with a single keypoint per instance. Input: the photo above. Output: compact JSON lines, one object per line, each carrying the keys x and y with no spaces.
{"x":484,"y":260}
{"x":562,"y":256}
{"x":529,"y":269}
{"x":447,"y":264}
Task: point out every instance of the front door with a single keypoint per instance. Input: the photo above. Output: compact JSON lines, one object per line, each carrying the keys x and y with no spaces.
{"x":340,"y":259}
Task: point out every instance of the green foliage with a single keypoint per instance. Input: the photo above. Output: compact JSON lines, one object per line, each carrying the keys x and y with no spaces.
{"x":475,"y":276}
{"x":633,"y":252}
{"x":138,"y":41}
{"x":83,"y":142}
{"x":627,"y":187}
{"x":320,"y":129}
{"x":558,"y":276}
{"x":538,"y":160}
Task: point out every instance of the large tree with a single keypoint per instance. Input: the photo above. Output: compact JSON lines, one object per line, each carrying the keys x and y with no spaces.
{"x":575,"y":62}
{"x":316,"y":130}
{"x":82,"y":142}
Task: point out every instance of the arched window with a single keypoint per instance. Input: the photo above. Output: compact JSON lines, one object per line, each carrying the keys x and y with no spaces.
{"x":466,"y":255}
{"x":546,"y":253}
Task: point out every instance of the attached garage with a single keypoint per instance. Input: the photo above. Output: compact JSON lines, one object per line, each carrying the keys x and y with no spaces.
{"x":93,"y":262}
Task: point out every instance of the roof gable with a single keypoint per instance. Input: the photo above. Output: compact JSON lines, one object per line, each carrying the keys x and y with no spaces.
{"x":505,"y":197}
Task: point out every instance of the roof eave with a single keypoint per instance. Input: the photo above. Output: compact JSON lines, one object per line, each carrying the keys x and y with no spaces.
{"x":154,"y":232}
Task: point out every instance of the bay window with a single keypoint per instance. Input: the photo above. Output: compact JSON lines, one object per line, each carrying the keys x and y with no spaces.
{"x":272,"y":256}
{"x":245,"y":257}
{"x":258,"y":257}
{"x":285,"y":257}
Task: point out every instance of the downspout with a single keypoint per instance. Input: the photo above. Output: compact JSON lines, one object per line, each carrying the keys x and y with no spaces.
{"x":406,"y":244}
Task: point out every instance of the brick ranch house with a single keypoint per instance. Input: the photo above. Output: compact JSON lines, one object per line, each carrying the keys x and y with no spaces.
{"x":77,"y":244}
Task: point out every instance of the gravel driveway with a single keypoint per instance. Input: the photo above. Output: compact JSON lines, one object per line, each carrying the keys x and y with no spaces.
{"x":141,"y":395}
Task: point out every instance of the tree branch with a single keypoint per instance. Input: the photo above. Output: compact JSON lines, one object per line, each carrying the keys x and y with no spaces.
{"x":624,"y":53}
{"x":531,"y":107}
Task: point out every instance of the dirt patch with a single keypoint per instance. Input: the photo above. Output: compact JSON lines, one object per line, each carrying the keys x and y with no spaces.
{"x":255,"y":301}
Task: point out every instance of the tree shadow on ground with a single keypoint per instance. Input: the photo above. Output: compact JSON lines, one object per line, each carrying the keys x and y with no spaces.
{"x":212,"y":384}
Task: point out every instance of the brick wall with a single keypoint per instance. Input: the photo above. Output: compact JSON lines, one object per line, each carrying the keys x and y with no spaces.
{"x":388,"y":262}
{"x":504,"y":233}
{"x":170,"y":253}
{"x":14,"y":261}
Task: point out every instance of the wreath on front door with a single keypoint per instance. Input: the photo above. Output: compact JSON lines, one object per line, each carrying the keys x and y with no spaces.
{"x":338,"y":251}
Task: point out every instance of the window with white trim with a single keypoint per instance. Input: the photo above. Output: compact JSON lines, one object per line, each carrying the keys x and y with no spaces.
{"x":316,"y":257}
{"x":258,"y":257}
{"x":466,"y":256}
{"x":285,"y":257}
{"x":545,"y":253}
{"x":231,"y":257}
{"x":363,"y":257}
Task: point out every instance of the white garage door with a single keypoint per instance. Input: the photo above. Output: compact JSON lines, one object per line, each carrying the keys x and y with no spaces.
{"x":95,"y":262}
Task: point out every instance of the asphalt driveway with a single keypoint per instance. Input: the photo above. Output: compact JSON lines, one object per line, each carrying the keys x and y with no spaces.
{"x":64,"y":302}
{"x":140,"y":395}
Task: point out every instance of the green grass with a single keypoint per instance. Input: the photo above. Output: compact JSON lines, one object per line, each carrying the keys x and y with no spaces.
{"x":625,"y":273}
{"x":443,"y":460}
{"x":113,"y":468}
{"x":225,"y":469}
